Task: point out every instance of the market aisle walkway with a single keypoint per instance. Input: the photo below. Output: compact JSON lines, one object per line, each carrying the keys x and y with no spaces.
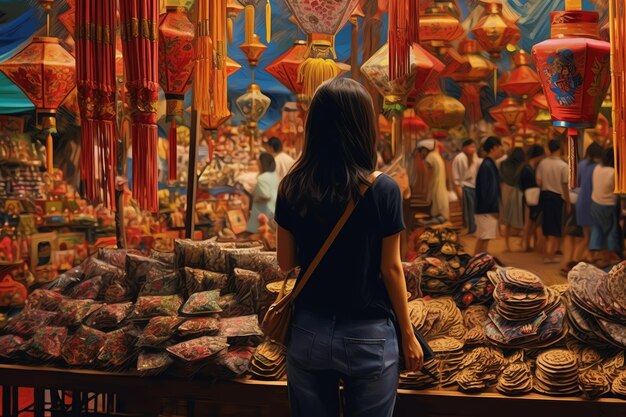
{"x":530,"y":261}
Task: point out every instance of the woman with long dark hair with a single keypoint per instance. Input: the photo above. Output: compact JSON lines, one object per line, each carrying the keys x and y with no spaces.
{"x":344,"y":319}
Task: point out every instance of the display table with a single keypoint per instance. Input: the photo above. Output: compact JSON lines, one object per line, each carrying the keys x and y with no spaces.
{"x":255,"y":398}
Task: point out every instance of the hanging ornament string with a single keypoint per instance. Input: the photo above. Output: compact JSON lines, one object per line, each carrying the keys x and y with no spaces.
{"x":141,"y":51}
{"x":403,"y":33}
{"x":95,"y":57}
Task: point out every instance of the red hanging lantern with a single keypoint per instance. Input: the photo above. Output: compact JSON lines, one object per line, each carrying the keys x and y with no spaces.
{"x":472,"y":78}
{"x":493,"y":31}
{"x":285,"y":68}
{"x":574,"y":66}
{"x":440,"y":111}
{"x":509,"y":113}
{"x":523,"y":81}
{"x":176,"y":61}
{"x":439,"y":25}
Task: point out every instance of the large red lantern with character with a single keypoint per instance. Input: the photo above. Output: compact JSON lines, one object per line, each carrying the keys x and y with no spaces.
{"x":574,"y":67}
{"x":176,"y":61}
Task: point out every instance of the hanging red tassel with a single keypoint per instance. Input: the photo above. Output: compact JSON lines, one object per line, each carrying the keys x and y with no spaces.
{"x":173,"y":156}
{"x":403,"y":32}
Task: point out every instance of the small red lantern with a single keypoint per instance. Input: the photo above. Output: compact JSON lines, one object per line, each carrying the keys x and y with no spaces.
{"x":523,"y":81}
{"x":68,"y":19}
{"x":508,"y":113}
{"x":574,"y":67}
{"x":176,"y":61}
{"x":493,"y":31}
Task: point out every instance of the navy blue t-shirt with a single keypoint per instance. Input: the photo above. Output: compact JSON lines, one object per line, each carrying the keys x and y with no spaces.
{"x":348,"y":282}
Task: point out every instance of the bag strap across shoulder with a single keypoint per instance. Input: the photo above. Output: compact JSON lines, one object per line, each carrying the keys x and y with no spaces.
{"x":327,"y":244}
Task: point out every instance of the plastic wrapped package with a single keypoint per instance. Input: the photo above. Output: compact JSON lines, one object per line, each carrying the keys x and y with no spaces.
{"x":153,"y":364}
{"x":202,"y":303}
{"x":159,"y":282}
{"x":82,"y":348}
{"x":73,"y":312}
{"x":199,"y":326}
{"x":198,"y":280}
{"x":46,"y":343}
{"x":44,"y":300}
{"x":109,"y":316}
{"x":158,"y":331}
{"x":118,"y":348}
{"x":10,"y":345}
{"x":89,"y":289}
{"x":153,"y":306}
{"x":116,"y":257}
{"x":29,"y":321}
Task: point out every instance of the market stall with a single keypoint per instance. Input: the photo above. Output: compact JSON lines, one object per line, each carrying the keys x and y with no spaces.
{"x":130,"y":268}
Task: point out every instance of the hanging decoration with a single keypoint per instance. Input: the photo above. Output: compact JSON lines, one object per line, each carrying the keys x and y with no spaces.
{"x":233,"y":9}
{"x":617,"y":22}
{"x":139,"y":28}
{"x":285,"y":69}
{"x":97,"y":98}
{"x":253,"y":105}
{"x":574,"y":66}
{"x":523,"y":81}
{"x":509,"y":113}
{"x":176,"y":60}
{"x":211,"y":68}
{"x":472,"y":78}
{"x":46,"y":73}
{"x":404,"y":23}
{"x":493,"y":31}
{"x":250,"y":16}
{"x":424,"y":69}
{"x":320,"y":21}
{"x":439,"y":25}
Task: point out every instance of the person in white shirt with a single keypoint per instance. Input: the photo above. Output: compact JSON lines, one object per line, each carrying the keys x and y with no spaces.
{"x":605,"y":232}
{"x":552,"y":177}
{"x":464,"y":168}
{"x":284,"y":162}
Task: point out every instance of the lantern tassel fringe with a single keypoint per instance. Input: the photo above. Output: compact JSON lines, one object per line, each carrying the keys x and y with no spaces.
{"x":173,"y":152}
{"x":49,"y":154}
{"x":617,"y":26}
{"x":314,"y":71}
{"x":230,"y":29}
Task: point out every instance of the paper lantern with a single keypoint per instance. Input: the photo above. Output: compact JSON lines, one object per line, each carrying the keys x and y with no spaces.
{"x":253,"y":50}
{"x":232,"y":66}
{"x":439,"y":25}
{"x":320,"y":20}
{"x":574,"y":67}
{"x":440,"y":111}
{"x":523,"y":81}
{"x":68,"y":19}
{"x":253,"y":105}
{"x":493,"y":31}
{"x":46,"y":73}
{"x":176,"y":61}
{"x":509,"y":113}
{"x":471,"y":78}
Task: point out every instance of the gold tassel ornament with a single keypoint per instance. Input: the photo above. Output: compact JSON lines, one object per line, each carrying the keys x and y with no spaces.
{"x":249,"y":25}
{"x":314,"y":71}
{"x":268,"y":21}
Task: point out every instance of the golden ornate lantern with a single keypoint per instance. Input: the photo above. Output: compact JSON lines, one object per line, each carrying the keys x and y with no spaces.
{"x":493,"y":31}
{"x":253,"y":105}
{"x":441,"y":111}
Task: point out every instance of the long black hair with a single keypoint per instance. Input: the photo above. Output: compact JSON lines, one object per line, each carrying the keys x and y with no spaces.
{"x":339,"y":148}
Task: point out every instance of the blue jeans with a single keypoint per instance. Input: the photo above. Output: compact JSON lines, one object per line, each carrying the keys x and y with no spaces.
{"x":322,"y":351}
{"x":605,"y":233}
{"x":469,"y":208}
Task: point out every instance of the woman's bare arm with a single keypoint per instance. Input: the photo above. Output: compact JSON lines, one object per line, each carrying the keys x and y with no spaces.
{"x":286,"y":251}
